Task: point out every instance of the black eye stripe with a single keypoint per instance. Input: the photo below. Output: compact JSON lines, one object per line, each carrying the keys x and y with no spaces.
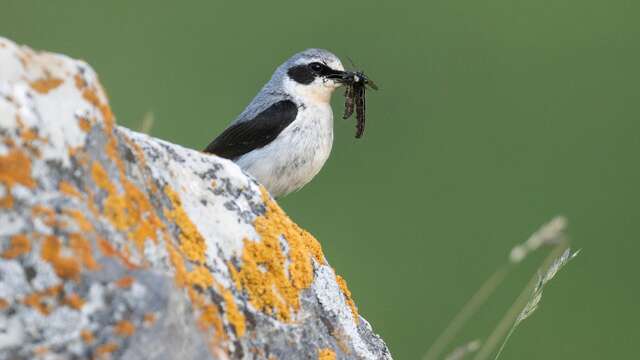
{"x":301,"y":74}
{"x":321,"y":69}
{"x":306,"y":73}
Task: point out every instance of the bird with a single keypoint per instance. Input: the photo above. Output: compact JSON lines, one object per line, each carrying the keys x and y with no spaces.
{"x":284,"y":136}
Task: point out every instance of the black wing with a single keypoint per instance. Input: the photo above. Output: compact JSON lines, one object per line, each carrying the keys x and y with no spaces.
{"x":241,"y":138}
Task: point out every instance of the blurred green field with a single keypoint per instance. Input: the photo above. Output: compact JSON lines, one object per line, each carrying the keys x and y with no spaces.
{"x":492,"y":117}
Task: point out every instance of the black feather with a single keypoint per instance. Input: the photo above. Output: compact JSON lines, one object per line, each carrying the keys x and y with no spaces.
{"x":241,"y":138}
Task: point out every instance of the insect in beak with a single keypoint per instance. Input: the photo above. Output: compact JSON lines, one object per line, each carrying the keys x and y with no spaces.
{"x":356,"y":83}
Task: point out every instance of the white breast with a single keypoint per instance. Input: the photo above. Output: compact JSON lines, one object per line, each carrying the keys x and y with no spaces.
{"x":296,"y":155}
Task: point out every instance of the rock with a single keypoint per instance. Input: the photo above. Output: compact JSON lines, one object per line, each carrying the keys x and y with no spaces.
{"x":114,"y":244}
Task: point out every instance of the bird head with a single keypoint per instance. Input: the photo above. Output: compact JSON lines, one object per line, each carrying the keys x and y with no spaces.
{"x":313,"y":75}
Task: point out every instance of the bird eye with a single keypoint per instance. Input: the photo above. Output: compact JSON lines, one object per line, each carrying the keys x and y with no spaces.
{"x":315,"y":66}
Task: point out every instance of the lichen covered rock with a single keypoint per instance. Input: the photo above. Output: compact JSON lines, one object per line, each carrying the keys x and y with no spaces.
{"x":117,"y":245}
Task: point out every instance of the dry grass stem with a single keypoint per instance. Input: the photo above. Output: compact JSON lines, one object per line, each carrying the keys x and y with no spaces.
{"x":461,"y":351}
{"x":147,"y":123}
{"x":550,"y":233}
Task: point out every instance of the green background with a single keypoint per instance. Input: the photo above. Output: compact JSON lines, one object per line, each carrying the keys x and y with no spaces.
{"x":493,"y":116}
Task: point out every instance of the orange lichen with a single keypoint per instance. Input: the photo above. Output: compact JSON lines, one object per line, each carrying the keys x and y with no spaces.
{"x":130,"y":211}
{"x":192,"y":244}
{"x":3,"y":304}
{"x":140,"y":159}
{"x":101,"y":178}
{"x":347,"y":295}
{"x":67,"y":188}
{"x":6,"y":202}
{"x":149,"y":319}
{"x":81,"y":247}
{"x":111,"y":150}
{"x":74,"y":301}
{"x":235,"y":317}
{"x":124,"y":328}
{"x":91,"y":96}
{"x":144,"y":221}
{"x":326,"y":354}
{"x":84,"y":124}
{"x":19,"y":245}
{"x":66,"y":267}
{"x":263,"y":273}
{"x":47,"y":214}
{"x":15,"y":168}
{"x":125,"y":282}
{"x":45,"y":85}
{"x":79,"y":81}
{"x":209,"y":313}
{"x":109,"y":250}
{"x":108,"y":116}
{"x":28,"y":135}
{"x":87,"y":336}
{"x":83,"y":223}
{"x":105,"y":349}
{"x":180,"y":274}
{"x":114,"y":205}
{"x":43,"y":301}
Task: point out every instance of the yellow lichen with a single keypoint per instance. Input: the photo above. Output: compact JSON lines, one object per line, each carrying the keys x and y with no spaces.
{"x":208,"y":314}
{"x":101,"y":178}
{"x":45,"y":85}
{"x":326,"y":354}
{"x":192,"y":244}
{"x":272,"y":287}
{"x":19,"y":245}
{"x":347,"y":295}
{"x":235,"y":317}
{"x":200,"y":276}
{"x":191,"y":251}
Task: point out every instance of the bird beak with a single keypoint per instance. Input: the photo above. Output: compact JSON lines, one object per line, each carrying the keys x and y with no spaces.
{"x":341,"y":77}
